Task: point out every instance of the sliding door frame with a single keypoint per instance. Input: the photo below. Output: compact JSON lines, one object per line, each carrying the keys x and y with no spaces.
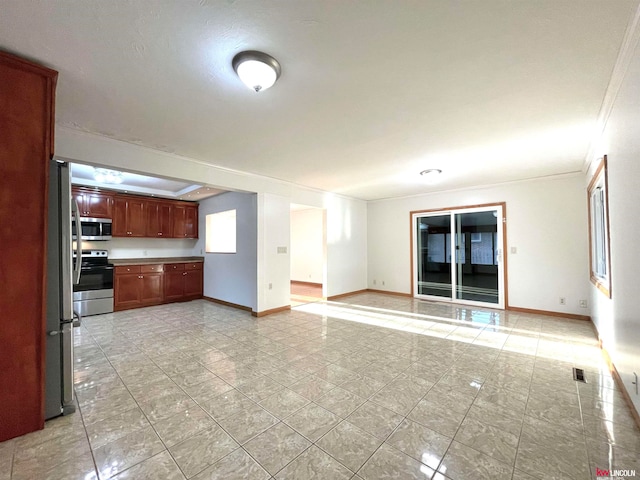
{"x":454,"y":210}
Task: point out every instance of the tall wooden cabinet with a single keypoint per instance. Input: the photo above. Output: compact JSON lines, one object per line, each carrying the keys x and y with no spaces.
{"x":27,"y":94}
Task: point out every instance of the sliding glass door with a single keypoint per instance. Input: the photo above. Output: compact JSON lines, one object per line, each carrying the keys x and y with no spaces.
{"x":458,"y":255}
{"x":434,"y":256}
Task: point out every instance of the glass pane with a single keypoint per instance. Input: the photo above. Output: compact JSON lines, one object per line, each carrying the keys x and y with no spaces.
{"x":433,"y":235}
{"x":476,"y":254}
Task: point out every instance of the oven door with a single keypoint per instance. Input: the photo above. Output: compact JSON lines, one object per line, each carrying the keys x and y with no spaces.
{"x":95,"y":278}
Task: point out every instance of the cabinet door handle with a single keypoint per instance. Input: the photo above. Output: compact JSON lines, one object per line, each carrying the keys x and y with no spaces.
{"x":184,"y":273}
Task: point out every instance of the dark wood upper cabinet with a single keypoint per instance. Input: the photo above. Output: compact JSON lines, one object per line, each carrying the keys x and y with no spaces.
{"x":27,"y":94}
{"x":93,"y":203}
{"x":159,"y":219}
{"x":136,"y":216}
{"x":185,"y":221}
{"x":129,"y":218}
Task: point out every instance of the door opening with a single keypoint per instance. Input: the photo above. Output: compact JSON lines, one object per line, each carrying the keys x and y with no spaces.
{"x":308,"y":254}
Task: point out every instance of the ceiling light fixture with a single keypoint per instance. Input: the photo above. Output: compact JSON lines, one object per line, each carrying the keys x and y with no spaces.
{"x":431,"y":174}
{"x":104,"y":175}
{"x":257,"y":70}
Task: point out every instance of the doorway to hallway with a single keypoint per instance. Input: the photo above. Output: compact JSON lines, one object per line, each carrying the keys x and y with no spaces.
{"x":308,"y":254}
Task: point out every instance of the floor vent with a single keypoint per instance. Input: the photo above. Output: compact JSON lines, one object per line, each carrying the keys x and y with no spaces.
{"x":578,"y":375}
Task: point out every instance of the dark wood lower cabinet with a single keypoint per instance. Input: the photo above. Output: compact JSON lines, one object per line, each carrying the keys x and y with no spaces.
{"x":193,"y":283}
{"x":173,"y":285}
{"x":151,"y":289}
{"x":143,"y":285}
{"x":126,"y":291}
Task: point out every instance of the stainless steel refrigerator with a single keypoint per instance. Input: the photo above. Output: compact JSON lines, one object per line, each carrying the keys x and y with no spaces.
{"x":61,"y":276}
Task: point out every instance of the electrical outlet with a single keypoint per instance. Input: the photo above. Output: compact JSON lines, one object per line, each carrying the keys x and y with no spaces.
{"x":583,"y":304}
{"x":374,"y":281}
{"x":382,"y":282}
{"x":270,"y":286}
{"x":514,"y":250}
{"x":563,"y":301}
{"x":144,"y":253}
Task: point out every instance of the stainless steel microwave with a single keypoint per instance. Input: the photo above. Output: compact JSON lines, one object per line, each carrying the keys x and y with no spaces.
{"x":93,"y":228}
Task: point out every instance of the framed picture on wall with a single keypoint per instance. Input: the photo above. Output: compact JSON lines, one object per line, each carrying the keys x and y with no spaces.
{"x":599,"y":246}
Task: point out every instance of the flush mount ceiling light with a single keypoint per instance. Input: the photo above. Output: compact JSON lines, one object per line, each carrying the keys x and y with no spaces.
{"x":257,"y":70}
{"x":104,"y":175}
{"x":431,"y":174}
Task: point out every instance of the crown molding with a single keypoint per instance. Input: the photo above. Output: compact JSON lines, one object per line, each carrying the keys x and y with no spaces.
{"x":625,"y":57}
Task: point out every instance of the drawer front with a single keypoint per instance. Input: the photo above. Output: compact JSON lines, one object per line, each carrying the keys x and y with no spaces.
{"x":193,"y":266}
{"x":127,"y":269}
{"x":151,"y":268}
{"x":173,"y":267}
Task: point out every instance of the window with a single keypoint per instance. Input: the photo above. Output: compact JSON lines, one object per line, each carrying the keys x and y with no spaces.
{"x":221,"y":232}
{"x":599,"y":260}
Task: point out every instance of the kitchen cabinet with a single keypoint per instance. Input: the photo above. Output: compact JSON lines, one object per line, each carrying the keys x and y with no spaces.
{"x":137,"y":216}
{"x":174,"y":282}
{"x":193,"y":280}
{"x":93,"y":203}
{"x":159,"y":219}
{"x":143,"y":285}
{"x":129,"y":218}
{"x":138,"y":286}
{"x":27,"y":99}
{"x":183,"y":281}
{"x":185,"y":221}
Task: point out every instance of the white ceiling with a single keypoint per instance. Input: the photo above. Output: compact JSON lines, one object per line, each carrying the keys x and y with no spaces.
{"x":371,"y":93}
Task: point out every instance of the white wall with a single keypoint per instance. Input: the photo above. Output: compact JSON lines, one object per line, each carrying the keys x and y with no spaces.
{"x":232,"y":277}
{"x":617,"y":319}
{"x":546,"y":222}
{"x":307,"y":245}
{"x":273,"y":266}
{"x":145,"y":247}
{"x":346,"y":245}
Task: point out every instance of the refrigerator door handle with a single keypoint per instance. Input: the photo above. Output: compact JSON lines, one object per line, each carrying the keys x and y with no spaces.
{"x":78,"y":265}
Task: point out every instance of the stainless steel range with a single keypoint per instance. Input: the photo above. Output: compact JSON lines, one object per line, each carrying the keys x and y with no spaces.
{"x":93,"y":295}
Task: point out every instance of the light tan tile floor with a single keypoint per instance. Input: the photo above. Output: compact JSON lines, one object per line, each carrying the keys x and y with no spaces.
{"x":370,"y":387}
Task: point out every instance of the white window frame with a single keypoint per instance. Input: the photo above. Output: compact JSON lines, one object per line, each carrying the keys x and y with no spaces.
{"x":599,"y":239}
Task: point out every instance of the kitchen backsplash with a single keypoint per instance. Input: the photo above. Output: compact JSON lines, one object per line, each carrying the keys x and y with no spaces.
{"x":145,"y":247}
